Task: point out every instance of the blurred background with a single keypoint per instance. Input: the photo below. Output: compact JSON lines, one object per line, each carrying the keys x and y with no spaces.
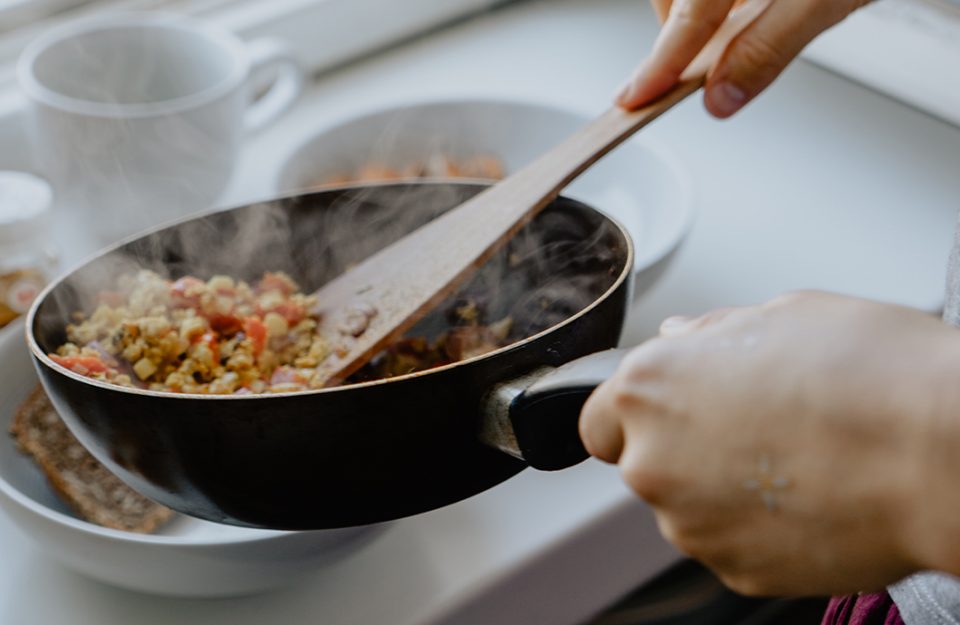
{"x":863,"y":205}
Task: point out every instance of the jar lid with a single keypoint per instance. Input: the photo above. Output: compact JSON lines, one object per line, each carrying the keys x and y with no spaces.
{"x":25,"y":202}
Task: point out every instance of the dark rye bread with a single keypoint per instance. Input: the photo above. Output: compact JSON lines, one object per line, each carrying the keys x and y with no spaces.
{"x":95,"y":493}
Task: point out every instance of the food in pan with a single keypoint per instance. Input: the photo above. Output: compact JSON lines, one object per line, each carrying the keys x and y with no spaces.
{"x":468,"y":337}
{"x":195,"y":336}
{"x":224,"y":336}
{"x":78,"y":478}
{"x":481,"y":166}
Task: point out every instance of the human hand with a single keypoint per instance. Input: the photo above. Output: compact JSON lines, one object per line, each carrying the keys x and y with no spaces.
{"x":790,"y":446}
{"x":748,"y":65}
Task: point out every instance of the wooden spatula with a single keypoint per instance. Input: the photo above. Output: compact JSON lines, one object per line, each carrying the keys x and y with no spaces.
{"x":376,"y":301}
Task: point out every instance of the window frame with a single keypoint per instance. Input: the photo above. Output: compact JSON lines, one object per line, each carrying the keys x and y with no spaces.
{"x":304,"y":24}
{"x":313,"y":28}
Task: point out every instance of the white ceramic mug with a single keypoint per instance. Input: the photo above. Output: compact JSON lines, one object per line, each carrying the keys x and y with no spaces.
{"x":138,"y":119}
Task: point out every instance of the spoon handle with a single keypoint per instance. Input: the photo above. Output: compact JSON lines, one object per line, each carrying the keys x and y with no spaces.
{"x":541,"y":181}
{"x":394,"y":288}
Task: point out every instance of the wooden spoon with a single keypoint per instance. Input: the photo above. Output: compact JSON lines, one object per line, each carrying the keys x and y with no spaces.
{"x":375,"y":302}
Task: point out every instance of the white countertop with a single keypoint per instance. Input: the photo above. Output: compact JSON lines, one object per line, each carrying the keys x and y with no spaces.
{"x":821,"y":184}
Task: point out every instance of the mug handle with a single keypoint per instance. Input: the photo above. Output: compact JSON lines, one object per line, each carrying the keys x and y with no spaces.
{"x":272,"y":54}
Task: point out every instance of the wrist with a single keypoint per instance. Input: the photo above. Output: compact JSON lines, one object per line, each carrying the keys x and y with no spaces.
{"x":930,"y":535}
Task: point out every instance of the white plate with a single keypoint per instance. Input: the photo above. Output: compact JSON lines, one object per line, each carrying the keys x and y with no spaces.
{"x":188,"y":557}
{"x":641,"y":184}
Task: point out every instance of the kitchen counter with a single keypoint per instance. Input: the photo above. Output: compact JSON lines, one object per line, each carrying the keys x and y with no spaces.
{"x":820,"y":184}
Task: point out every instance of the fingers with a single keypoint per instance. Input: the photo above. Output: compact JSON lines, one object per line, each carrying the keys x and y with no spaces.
{"x":621,"y":398}
{"x":679,"y":326}
{"x":755,"y":58}
{"x":601,"y":425}
{"x":676,"y":326}
{"x":689,"y":25}
{"x":628,"y":394}
{"x":750,"y":63}
{"x":662,"y":9}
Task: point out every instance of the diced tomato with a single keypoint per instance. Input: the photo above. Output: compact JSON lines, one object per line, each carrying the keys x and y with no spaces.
{"x":254,"y":328}
{"x":185,"y":292}
{"x":224,"y":324}
{"x":84,"y":365}
{"x":293,"y":313}
{"x":211,"y":339}
{"x":286,"y":375}
{"x":276,"y":282}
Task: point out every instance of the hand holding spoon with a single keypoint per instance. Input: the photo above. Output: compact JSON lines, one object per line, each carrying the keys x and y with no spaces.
{"x":375,"y":302}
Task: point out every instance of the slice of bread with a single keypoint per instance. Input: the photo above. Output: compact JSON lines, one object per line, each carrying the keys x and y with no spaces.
{"x":96,"y":494}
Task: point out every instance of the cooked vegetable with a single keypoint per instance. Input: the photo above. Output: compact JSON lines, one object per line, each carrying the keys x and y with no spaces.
{"x":196,"y":336}
{"x":224,"y":336}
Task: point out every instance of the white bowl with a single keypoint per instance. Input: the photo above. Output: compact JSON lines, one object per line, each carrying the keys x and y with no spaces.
{"x":641,"y":184}
{"x":187,"y":558}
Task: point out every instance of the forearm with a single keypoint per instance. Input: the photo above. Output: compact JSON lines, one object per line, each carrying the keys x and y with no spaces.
{"x":805,"y":446}
{"x":935,"y":532}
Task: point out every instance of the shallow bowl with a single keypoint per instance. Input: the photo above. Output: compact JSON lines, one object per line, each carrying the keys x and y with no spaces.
{"x":187,"y":557}
{"x":642,"y":184}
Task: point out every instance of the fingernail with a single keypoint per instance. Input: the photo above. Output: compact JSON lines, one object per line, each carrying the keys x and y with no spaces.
{"x":626,"y":92}
{"x":726,"y":99}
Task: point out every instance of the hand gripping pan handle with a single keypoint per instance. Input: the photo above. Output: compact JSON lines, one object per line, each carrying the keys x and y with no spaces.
{"x":536,"y":417}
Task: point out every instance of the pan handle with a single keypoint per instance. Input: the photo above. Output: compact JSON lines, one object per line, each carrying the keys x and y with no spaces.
{"x":543,"y":411}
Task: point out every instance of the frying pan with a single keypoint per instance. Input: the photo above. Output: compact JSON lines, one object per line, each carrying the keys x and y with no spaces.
{"x":370,"y":451}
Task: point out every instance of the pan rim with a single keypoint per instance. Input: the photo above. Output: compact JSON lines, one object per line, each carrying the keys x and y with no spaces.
{"x":42,"y":358}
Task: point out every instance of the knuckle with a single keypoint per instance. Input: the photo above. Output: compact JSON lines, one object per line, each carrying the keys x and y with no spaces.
{"x":793,"y":298}
{"x":720,"y":314}
{"x":645,"y":477}
{"x":671,"y":532}
{"x":590,"y":417}
{"x":599,"y":427}
{"x":757,"y":58}
{"x":696,"y":14}
{"x":624,"y":396}
{"x":672,"y":535}
{"x":636,"y":364}
{"x":644,"y":363}
{"x":662,"y":8}
{"x":786,"y":299}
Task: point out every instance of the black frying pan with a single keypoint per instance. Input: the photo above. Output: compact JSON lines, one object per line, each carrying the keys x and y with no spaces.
{"x":371,"y":451}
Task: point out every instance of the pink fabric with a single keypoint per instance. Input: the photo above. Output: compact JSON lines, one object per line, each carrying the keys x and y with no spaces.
{"x":866,"y":609}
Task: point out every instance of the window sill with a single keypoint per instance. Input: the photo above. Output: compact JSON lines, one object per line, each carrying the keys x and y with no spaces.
{"x":323,"y":33}
{"x":903,"y":48}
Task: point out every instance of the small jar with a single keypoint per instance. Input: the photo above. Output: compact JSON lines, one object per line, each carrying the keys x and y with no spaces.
{"x":27,"y":261}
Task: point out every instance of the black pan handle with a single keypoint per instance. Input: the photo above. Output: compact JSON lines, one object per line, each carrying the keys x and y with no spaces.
{"x":543,"y":409}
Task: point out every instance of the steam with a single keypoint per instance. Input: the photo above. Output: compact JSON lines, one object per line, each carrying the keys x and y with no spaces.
{"x":114,"y":173}
{"x":549,"y":271}
{"x":122,"y":154}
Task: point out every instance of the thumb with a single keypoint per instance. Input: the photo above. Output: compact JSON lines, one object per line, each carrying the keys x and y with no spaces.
{"x":757,"y":56}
